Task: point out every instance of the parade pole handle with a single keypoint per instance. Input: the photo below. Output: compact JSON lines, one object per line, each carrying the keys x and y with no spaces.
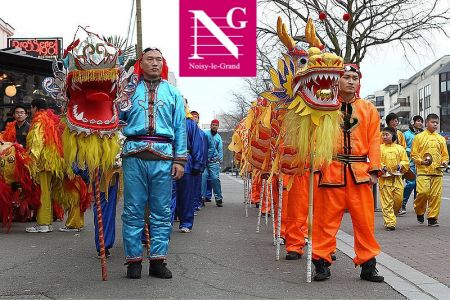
{"x":310,"y":208}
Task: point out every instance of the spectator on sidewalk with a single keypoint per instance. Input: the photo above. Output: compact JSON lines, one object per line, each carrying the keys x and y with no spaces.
{"x":393,"y":160}
{"x":17,"y":130}
{"x":430,"y":154}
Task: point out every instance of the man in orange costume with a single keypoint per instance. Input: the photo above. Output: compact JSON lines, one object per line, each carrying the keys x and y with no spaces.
{"x":347,"y":181}
{"x":296,"y":215}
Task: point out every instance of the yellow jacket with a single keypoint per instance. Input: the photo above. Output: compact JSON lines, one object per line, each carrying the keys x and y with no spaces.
{"x":393,"y":155}
{"x":434,"y":144}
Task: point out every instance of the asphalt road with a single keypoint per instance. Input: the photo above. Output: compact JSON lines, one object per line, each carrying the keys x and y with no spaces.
{"x":223,"y":257}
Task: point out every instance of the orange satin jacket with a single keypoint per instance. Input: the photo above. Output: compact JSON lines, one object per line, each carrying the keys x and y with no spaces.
{"x":359,"y":146}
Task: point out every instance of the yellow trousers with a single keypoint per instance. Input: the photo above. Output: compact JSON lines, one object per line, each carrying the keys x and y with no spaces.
{"x":75,"y":218}
{"x":391,"y":198}
{"x":429,"y":193}
{"x":45,"y":213}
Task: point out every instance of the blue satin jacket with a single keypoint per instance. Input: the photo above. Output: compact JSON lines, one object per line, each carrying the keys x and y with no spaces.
{"x":215,"y":151}
{"x":168,"y":121}
{"x":195,"y":147}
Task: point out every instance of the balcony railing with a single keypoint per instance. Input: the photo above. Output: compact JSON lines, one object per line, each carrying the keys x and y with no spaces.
{"x":401,"y":102}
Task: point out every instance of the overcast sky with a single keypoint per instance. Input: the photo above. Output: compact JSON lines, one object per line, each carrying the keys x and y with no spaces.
{"x":47,"y":18}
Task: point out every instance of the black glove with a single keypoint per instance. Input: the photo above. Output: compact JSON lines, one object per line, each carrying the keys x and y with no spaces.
{"x":195,"y":172}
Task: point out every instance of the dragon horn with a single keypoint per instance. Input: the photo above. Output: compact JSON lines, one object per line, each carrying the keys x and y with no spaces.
{"x":310,"y":34}
{"x":285,"y":38}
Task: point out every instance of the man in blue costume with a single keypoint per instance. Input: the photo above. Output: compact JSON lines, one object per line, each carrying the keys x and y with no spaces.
{"x":215,"y":158}
{"x":186,"y":186}
{"x":154,"y":154}
{"x":415,"y":127}
{"x":198,"y":179}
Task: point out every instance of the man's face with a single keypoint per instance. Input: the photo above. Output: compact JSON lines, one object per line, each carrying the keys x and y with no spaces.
{"x":432,"y":125}
{"x":20,"y":114}
{"x":418,"y":124}
{"x":196,"y":119}
{"x":214,"y":127}
{"x":151,"y":64}
{"x":349,"y":82}
{"x":393,"y":123}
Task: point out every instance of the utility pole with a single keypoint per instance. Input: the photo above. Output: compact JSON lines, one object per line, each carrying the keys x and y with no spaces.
{"x":138,"y":29}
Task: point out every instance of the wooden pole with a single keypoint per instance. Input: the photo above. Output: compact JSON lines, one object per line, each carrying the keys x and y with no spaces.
{"x":138,"y":29}
{"x":310,"y":205}
{"x":101,"y":237}
{"x":280,"y":204}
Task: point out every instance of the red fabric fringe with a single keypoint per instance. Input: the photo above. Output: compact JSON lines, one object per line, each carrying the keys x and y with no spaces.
{"x":9,"y":134}
{"x":53,"y":129}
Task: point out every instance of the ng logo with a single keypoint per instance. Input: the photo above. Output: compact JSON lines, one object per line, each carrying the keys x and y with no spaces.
{"x":218,"y":38}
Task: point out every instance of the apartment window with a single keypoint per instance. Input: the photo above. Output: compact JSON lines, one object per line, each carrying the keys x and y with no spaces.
{"x":421,"y":103}
{"x":379,"y":101}
{"x":444,"y":101}
{"x":381,"y":113}
{"x":427,"y":100}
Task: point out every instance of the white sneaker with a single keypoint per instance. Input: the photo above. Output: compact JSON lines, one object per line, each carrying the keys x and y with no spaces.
{"x":185,"y":230}
{"x":401,"y":212}
{"x":67,"y":229}
{"x":39,"y":228}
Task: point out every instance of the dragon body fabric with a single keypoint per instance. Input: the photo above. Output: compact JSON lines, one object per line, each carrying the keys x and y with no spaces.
{"x":306,"y":88}
{"x":19,"y":193}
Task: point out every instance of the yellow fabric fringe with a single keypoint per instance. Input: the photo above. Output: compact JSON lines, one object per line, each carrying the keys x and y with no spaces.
{"x":89,"y":151}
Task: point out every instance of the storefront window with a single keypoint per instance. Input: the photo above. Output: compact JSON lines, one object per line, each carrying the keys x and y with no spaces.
{"x":19,"y":87}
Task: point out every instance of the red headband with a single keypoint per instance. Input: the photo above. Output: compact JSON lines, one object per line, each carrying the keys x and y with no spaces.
{"x":215,"y":121}
{"x":138,"y":70}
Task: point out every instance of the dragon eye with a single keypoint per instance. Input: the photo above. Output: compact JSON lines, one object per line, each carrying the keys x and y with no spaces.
{"x":302,"y":61}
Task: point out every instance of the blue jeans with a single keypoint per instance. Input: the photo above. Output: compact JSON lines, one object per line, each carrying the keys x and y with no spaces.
{"x":212,"y":173}
{"x":409,"y":187}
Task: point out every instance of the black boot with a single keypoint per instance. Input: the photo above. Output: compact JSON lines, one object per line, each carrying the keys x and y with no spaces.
{"x":292,"y":255}
{"x":158,"y":269}
{"x":369,"y":271}
{"x":134,"y":269}
{"x":322,"y":270}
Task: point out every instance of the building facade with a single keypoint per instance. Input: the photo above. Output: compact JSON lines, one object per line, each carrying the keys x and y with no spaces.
{"x":6,"y":31}
{"x":427,"y":91}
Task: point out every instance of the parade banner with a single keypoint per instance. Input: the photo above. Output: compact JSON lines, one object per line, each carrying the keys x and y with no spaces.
{"x":217,"y":38}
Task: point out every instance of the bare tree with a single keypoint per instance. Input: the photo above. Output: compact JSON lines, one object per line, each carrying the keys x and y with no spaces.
{"x":409,"y":23}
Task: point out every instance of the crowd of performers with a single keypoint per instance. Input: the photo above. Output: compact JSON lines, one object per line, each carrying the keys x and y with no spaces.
{"x":311,"y":149}
{"x":121,"y":131}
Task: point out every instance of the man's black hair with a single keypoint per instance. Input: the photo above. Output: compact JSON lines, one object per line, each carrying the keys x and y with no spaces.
{"x":39,"y":103}
{"x":391,"y":131}
{"x":390,"y":117}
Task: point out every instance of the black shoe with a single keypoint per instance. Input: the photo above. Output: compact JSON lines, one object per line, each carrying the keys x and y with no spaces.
{"x":207,"y":200}
{"x":134,"y":269}
{"x":322,"y":270}
{"x":219,"y":203}
{"x":333,"y":257}
{"x":292,"y":255}
{"x":369,"y":271}
{"x":390,"y":228}
{"x":420,"y":219}
{"x":158,"y":269}
{"x":433,"y":222}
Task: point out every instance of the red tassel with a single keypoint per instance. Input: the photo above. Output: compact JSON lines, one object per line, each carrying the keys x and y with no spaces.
{"x":322,"y":15}
{"x":346,"y":17}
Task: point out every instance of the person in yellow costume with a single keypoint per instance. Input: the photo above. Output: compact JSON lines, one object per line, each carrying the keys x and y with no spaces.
{"x":45,"y":148}
{"x":430,"y":154}
{"x":392,"y":121}
{"x":393,"y":160}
